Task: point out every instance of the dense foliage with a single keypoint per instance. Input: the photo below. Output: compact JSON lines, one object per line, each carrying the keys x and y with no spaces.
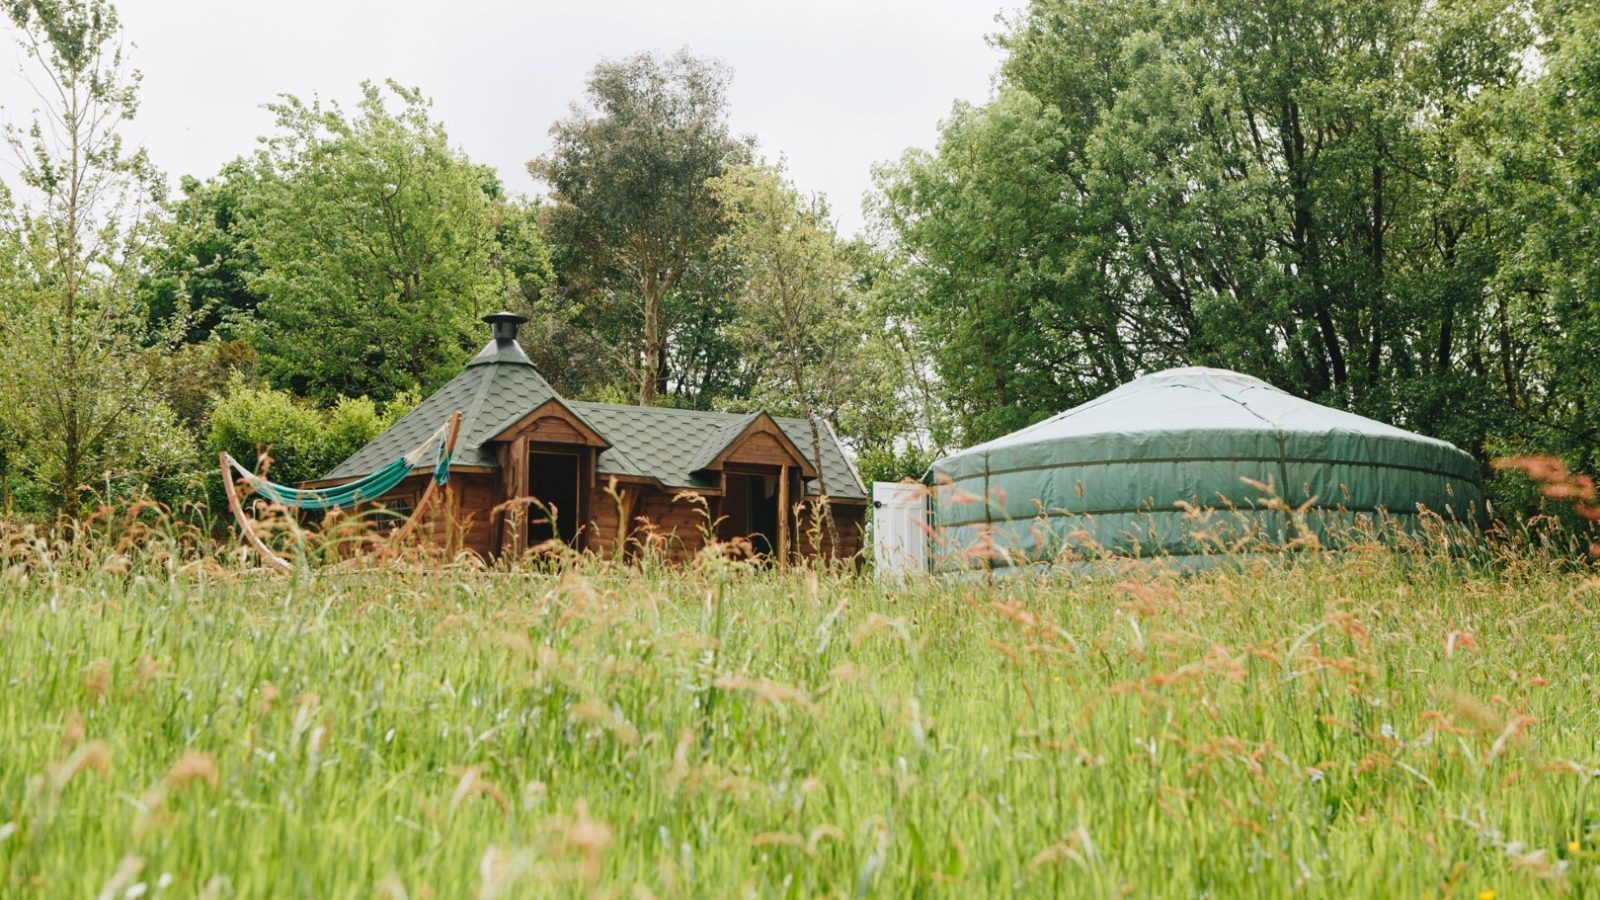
{"x":635,"y":224}
{"x":373,"y":240}
{"x":1384,"y":205}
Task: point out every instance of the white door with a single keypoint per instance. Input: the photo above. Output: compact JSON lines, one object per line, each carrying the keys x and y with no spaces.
{"x":899,"y":528}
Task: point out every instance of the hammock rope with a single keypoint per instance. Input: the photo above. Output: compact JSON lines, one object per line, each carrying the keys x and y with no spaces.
{"x":350,"y":494}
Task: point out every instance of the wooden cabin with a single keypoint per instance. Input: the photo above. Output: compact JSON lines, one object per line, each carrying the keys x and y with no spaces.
{"x":613,"y":475}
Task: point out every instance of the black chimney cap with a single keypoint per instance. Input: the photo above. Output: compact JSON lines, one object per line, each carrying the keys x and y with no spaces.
{"x":503,"y":324}
{"x":502,"y":347}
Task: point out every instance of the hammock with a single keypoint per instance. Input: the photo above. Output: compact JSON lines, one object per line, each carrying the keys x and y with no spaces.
{"x":350,"y":494}
{"x":362,"y":490}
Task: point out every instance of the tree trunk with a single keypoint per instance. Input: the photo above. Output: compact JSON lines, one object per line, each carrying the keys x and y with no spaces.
{"x":71,"y":464}
{"x":1375,"y":338}
{"x":655,"y":345}
{"x":1507,"y":367}
{"x":1447,"y":315}
{"x":816,"y":454}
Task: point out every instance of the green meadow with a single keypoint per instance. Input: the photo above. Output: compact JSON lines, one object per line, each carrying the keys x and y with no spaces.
{"x":1370,"y":723}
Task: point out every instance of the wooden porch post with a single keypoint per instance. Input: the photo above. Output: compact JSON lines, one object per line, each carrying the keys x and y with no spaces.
{"x":519,"y":490}
{"x":783,"y":516}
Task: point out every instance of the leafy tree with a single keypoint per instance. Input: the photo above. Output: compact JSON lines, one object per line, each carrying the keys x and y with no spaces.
{"x":198,"y":264}
{"x":1284,"y":188}
{"x":191,"y":377}
{"x":897,"y":423}
{"x":375,"y":243}
{"x":1538,"y":171}
{"x":77,"y":391}
{"x":988,"y":225}
{"x":797,"y":320}
{"x":571,"y":357}
{"x":634,"y":224}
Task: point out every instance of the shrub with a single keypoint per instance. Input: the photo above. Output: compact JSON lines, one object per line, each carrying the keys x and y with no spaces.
{"x":301,"y":441}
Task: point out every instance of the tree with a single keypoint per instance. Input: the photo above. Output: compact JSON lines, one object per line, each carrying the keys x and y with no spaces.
{"x":77,"y":390}
{"x":634,"y":223}
{"x":566,"y":353}
{"x":1537,"y":167}
{"x":896,"y":422}
{"x":198,"y":263}
{"x":1283,"y":188}
{"x":989,"y":226}
{"x":375,"y":244}
{"x":796,"y":319}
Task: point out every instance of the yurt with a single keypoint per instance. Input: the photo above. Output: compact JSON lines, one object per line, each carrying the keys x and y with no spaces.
{"x":1183,"y":464}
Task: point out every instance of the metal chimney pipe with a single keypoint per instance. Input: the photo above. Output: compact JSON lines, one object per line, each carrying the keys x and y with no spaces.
{"x":503,"y":325}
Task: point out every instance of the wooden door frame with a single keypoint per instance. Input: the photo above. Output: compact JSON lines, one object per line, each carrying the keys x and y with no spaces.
{"x":583,"y":485}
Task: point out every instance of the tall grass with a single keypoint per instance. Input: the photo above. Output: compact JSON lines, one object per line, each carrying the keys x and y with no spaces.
{"x":1366,"y":724}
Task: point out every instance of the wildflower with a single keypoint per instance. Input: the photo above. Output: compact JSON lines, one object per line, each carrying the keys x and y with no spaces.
{"x":1486,"y":894}
{"x":500,"y":869}
{"x":1574,"y":846}
{"x":269,"y":696}
{"x":73,"y":733}
{"x":1459,"y":639}
{"x":149,"y":668}
{"x":474,"y":785}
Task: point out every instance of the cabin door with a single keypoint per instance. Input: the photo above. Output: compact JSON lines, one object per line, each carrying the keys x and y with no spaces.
{"x":553,"y":480}
{"x":761,"y":509}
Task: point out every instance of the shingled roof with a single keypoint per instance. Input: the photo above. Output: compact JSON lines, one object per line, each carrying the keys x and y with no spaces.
{"x":498,"y":387}
{"x":669,"y":446}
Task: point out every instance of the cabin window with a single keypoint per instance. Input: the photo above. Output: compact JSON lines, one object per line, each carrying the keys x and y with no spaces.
{"x":553,"y":480}
{"x":391,"y":513}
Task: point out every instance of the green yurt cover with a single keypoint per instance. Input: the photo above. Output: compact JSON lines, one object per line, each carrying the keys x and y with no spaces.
{"x":1124,"y":473}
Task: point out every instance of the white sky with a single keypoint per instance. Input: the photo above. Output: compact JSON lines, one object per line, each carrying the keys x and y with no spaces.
{"x":832,"y":85}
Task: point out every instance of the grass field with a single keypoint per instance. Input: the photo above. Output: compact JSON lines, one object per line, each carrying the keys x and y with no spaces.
{"x":1366,"y":725}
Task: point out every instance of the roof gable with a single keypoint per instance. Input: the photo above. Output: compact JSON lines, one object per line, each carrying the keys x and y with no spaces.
{"x":571,"y":426}
{"x":727,"y":441}
{"x":670,"y":446}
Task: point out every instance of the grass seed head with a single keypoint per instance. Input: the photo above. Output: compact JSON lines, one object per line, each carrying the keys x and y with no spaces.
{"x":94,"y":756}
{"x":97,"y":679}
{"x":191,"y":768}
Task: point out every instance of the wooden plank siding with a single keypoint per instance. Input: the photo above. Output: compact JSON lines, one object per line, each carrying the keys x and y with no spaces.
{"x":849,"y":528}
{"x":465,"y":518}
{"x":763,"y":449}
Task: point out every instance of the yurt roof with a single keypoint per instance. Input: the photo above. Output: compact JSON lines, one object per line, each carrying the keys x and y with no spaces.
{"x":1211,"y":409}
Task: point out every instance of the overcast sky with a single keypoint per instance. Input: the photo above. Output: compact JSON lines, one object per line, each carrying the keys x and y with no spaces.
{"x":832,"y":85}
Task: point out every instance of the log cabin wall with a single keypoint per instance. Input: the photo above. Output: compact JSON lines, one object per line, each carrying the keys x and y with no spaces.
{"x":474,"y":514}
{"x":472,"y":525}
{"x":849,"y":530}
{"x":464,"y":518}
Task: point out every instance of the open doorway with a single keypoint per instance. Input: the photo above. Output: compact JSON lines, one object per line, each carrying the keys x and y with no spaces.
{"x":761,"y":511}
{"x":553,"y":481}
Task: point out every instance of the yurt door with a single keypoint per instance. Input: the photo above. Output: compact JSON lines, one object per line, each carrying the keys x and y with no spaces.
{"x":899,"y":528}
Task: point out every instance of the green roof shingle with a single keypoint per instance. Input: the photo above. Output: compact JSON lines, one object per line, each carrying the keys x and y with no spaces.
{"x":500,"y":385}
{"x":497,"y":388}
{"x":671,"y":445}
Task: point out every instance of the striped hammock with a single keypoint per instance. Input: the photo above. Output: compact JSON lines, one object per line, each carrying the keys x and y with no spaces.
{"x":354,"y":493}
